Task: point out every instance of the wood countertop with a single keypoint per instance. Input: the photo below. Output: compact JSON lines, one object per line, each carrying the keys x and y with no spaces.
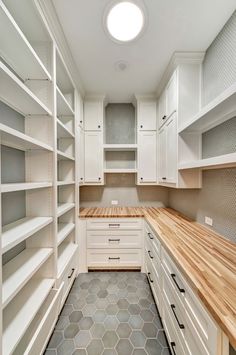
{"x":207,"y":260}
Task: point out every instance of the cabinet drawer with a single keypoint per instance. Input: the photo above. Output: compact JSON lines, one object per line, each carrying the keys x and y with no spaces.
{"x":154,"y":282}
{"x":151,"y":255}
{"x":114,"y":224}
{"x":114,"y":239}
{"x":153,"y":239}
{"x":188,"y":334}
{"x":114,"y":258}
{"x":195,"y":311}
{"x":68,"y":276}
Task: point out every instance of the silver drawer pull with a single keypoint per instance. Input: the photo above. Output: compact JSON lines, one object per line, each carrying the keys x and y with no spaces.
{"x":117,"y":258}
{"x":182,"y":290}
{"x":72,"y":271}
{"x":114,"y":240}
{"x":177,"y":320}
{"x":150,"y":277}
{"x":150,"y":236}
{"x":114,"y":225}
{"x":149,"y":253}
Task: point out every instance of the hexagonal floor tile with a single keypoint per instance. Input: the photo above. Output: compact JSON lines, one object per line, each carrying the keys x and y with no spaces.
{"x":110,"y":339}
{"x":124,"y":347}
{"x":123,"y":315}
{"x":138,"y":339}
{"x":85,"y":323}
{"x":111,"y":323}
{"x":124,"y":330}
{"x":82,"y":339}
{"x":71,"y":331}
{"x":95,"y":347}
{"x":67,"y":347}
{"x":97,"y":330}
{"x":153,"y":347}
{"x":150,"y":330}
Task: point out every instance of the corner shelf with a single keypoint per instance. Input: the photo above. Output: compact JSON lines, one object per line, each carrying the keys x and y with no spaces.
{"x":22,"y":310}
{"x":63,"y":107}
{"x":20,"y":269}
{"x":221,"y":161}
{"x":219,"y":110}
{"x":16,"y":94}
{"x":15,"y":139}
{"x":64,"y":207}
{"x":120,"y":147}
{"x":64,"y":229}
{"x":16,"y":232}
{"x":65,"y":254}
{"x":27,"y":63}
{"x":24,"y":186}
{"x":63,"y":131}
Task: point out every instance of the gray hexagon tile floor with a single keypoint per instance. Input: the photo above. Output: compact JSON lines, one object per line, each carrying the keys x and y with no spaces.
{"x":109,"y":313}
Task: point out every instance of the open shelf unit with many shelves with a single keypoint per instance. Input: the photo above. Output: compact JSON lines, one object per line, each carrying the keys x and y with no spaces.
{"x":38,"y":106}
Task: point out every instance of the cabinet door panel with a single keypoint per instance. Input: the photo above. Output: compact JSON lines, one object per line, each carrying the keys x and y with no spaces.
{"x":81,"y":155}
{"x":162,"y":109}
{"x":171,"y":150}
{"x":147,"y":116}
{"x":171,"y":95}
{"x":93,"y":157}
{"x":162,"y":155}
{"x":147,"y":157}
{"x":93,"y":115}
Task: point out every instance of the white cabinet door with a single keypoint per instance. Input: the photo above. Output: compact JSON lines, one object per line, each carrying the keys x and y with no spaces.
{"x":93,"y":164}
{"x":171,"y":95}
{"x":81,"y":156}
{"x":162,"y":109}
{"x":162,"y":155}
{"x":147,"y":157}
{"x":171,"y":149}
{"x":147,"y":115}
{"x":93,"y":115}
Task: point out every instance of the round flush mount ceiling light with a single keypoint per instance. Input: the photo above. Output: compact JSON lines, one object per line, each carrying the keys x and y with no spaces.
{"x":124,"y":21}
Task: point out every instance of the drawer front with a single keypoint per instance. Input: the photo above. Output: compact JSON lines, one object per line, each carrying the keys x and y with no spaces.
{"x":68,"y":277}
{"x":187,"y":333}
{"x":195,"y":311}
{"x":114,"y":223}
{"x":114,"y":258}
{"x":155,"y":261}
{"x":114,"y":239}
{"x":153,"y":239}
{"x":153,"y":281}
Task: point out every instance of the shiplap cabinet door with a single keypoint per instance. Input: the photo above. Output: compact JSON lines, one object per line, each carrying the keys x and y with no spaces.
{"x":93,"y":157}
{"x":93,"y":115}
{"x":147,"y":157}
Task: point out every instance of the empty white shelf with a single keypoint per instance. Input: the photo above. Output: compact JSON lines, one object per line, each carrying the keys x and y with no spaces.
{"x":16,"y":232}
{"x":64,"y":156}
{"x":18,"y":140}
{"x":119,"y":147}
{"x":20,"y":269}
{"x":65,"y":254}
{"x":21,"y":186}
{"x":63,"y":107}
{"x":120,"y":171}
{"x":64,"y":207}
{"x":63,"y":131}
{"x":64,"y":183}
{"x":221,"y":161}
{"x":22,"y":310}
{"x":26,"y":63}
{"x":64,"y":229}
{"x":222,"y":108}
{"x":16,"y":94}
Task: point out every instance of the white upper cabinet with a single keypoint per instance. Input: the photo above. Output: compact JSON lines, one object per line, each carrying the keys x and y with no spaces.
{"x":162,"y":109}
{"x":81,"y":156}
{"x":93,"y":115}
{"x":171,"y":95}
{"x":171,"y":149}
{"x":147,"y":157}
{"x":162,"y":155}
{"x":146,"y":115}
{"x":93,"y":157}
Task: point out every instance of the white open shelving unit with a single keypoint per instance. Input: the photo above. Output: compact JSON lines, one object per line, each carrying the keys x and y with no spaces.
{"x":39,"y":173}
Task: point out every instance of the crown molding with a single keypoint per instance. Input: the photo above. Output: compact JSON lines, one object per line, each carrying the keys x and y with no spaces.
{"x":177,"y":59}
{"x":57,"y":33}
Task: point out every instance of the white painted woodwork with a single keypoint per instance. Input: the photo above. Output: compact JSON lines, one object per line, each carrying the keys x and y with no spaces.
{"x":171,"y":95}
{"x":114,"y":223}
{"x":147,"y":157}
{"x":64,"y":229}
{"x":24,"y":186}
{"x":63,"y":131}
{"x":93,"y":157}
{"x":171,"y":149}
{"x":162,"y":109}
{"x":162,"y":157}
{"x":120,"y":147}
{"x":64,"y":207}
{"x":63,"y":106}
{"x":61,"y":155}
{"x":93,"y":115}
{"x":114,"y":239}
{"x":114,"y":258}
{"x":81,"y":155}
{"x":65,"y":253}
{"x":218,"y":162}
{"x":146,"y":115}
{"x":120,"y":171}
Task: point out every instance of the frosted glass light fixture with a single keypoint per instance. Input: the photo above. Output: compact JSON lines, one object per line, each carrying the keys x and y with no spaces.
{"x":125,"y":21}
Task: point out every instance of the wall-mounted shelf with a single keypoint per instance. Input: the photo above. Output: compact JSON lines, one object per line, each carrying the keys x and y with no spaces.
{"x":222,"y":161}
{"x":120,"y":147}
{"x":16,"y":232}
{"x":15,"y":94}
{"x":20,"y":269}
{"x":24,"y":186}
{"x":22,"y":310}
{"x":63,"y":208}
{"x":64,"y":156}
{"x":63,"y":131}
{"x":64,"y":183}
{"x":65,"y":254}
{"x":221,"y":109}
{"x":120,"y":171}
{"x":26,"y":63}
{"x":64,"y":229}
{"x":63,"y":107}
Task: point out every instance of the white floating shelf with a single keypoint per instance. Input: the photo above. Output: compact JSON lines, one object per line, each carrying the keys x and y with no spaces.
{"x":16,"y":232}
{"x":120,"y":147}
{"x":120,"y":171}
{"x":64,"y":156}
{"x":221,"y":109}
{"x":65,"y":254}
{"x":18,"y":140}
{"x":19,"y":270}
{"x":63,"y":107}
{"x":64,"y":183}
{"x":221,"y":161}
{"x":26,"y":63}
{"x":24,"y":186}
{"x":64,"y":229}
{"x":16,"y":94}
{"x":22,"y":310}
{"x":63,"y":131}
{"x":64,"y":207}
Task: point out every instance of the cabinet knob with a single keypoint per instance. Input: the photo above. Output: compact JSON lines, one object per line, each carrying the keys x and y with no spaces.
{"x":99,"y":178}
{"x":164,"y":178}
{"x":141,"y":178}
{"x":99,"y":126}
{"x":81,"y":178}
{"x":164,"y":117}
{"x":80,"y":121}
{"x":141,"y":126}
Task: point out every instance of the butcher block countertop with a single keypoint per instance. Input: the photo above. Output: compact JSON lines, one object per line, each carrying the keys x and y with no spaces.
{"x":207,"y":260}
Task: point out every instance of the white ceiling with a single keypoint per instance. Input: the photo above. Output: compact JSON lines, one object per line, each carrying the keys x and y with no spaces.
{"x":173,"y":25}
